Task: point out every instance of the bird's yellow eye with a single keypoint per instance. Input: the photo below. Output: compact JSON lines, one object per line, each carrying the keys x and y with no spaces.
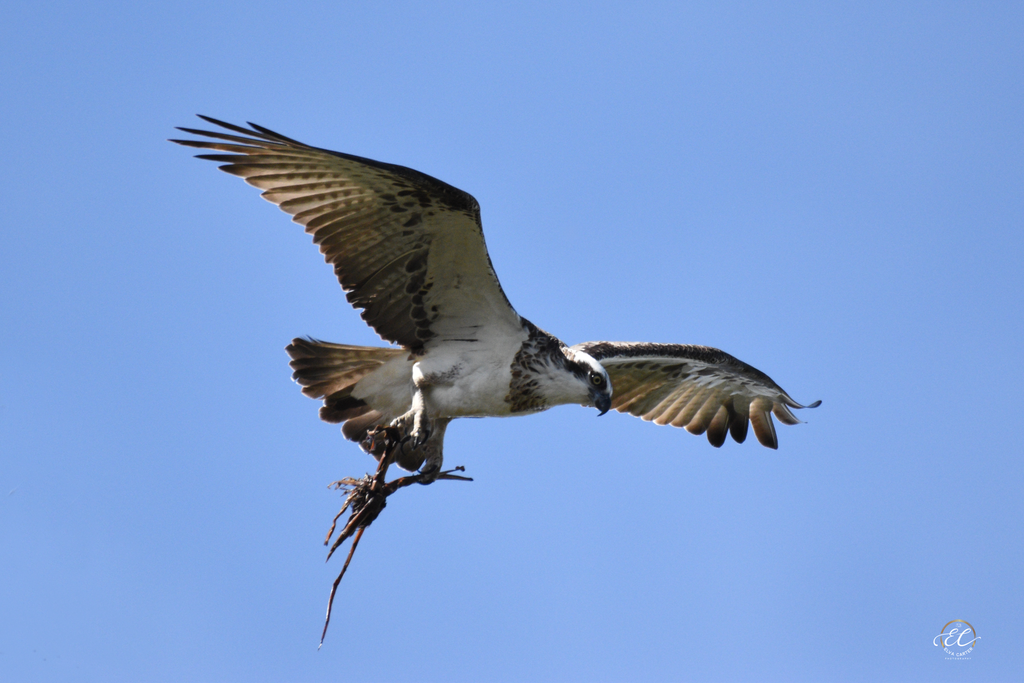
{"x":596,"y":379}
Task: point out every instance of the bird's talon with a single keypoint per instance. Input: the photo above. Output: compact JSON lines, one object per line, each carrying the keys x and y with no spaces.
{"x":430,"y":473}
{"x":420,"y":438}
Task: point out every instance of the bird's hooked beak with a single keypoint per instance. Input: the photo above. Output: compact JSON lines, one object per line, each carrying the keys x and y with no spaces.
{"x":603,"y":403}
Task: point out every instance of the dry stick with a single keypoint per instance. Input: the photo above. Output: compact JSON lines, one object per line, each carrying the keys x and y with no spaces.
{"x":368,"y":509}
{"x":358,"y":520}
{"x":334,"y":522}
{"x":334,"y":588}
{"x":373,"y":501}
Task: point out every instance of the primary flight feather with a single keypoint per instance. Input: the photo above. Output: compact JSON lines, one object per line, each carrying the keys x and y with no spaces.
{"x":409,"y":251}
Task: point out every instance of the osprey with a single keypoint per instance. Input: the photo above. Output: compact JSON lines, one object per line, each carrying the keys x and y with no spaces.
{"x":409,"y":252}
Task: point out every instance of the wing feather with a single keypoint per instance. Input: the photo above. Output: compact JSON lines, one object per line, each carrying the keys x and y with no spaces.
{"x":761,"y":420}
{"x":664,"y":407}
{"x":647,"y":407}
{"x":699,"y":424}
{"x":699,"y":388}
{"x":739,"y":419}
{"x":408,"y":249}
{"x":718,"y":429}
{"x":678,"y":399}
{"x":697,"y":397}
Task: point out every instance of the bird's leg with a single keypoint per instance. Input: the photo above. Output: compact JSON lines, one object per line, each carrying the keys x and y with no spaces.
{"x":414,"y":425}
{"x":421,"y":423}
{"x":433,"y":456}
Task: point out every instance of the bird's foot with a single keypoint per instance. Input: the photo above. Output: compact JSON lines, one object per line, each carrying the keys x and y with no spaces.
{"x":414,"y":441}
{"x":420,"y":436}
{"x":415,"y":427}
{"x":430,"y":471}
{"x":420,"y":433}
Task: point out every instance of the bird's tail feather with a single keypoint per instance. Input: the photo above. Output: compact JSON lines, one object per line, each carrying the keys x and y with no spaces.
{"x":330,"y":371}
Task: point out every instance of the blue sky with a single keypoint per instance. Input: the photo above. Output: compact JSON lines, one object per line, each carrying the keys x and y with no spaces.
{"x":832,"y":194}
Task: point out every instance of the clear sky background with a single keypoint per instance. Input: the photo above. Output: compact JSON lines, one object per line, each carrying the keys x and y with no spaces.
{"x":831,"y":192}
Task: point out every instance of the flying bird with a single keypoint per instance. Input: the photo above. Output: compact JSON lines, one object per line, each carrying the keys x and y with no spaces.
{"x":409,"y":252}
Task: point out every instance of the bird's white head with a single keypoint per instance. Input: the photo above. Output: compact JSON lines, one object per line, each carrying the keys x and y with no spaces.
{"x":594,"y":385}
{"x":567,"y":377}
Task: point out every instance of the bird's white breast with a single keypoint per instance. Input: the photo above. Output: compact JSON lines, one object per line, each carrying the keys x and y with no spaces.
{"x":469,"y":379}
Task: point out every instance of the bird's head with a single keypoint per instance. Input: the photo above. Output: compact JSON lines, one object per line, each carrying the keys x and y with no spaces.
{"x":595,"y":377}
{"x":558,"y":375}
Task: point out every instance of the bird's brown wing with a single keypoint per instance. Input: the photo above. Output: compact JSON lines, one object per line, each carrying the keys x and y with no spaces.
{"x":408,"y":249}
{"x":696,"y":387}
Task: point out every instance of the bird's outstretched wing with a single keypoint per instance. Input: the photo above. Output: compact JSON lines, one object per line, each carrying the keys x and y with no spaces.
{"x":696,"y":387}
{"x":407,"y":248}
